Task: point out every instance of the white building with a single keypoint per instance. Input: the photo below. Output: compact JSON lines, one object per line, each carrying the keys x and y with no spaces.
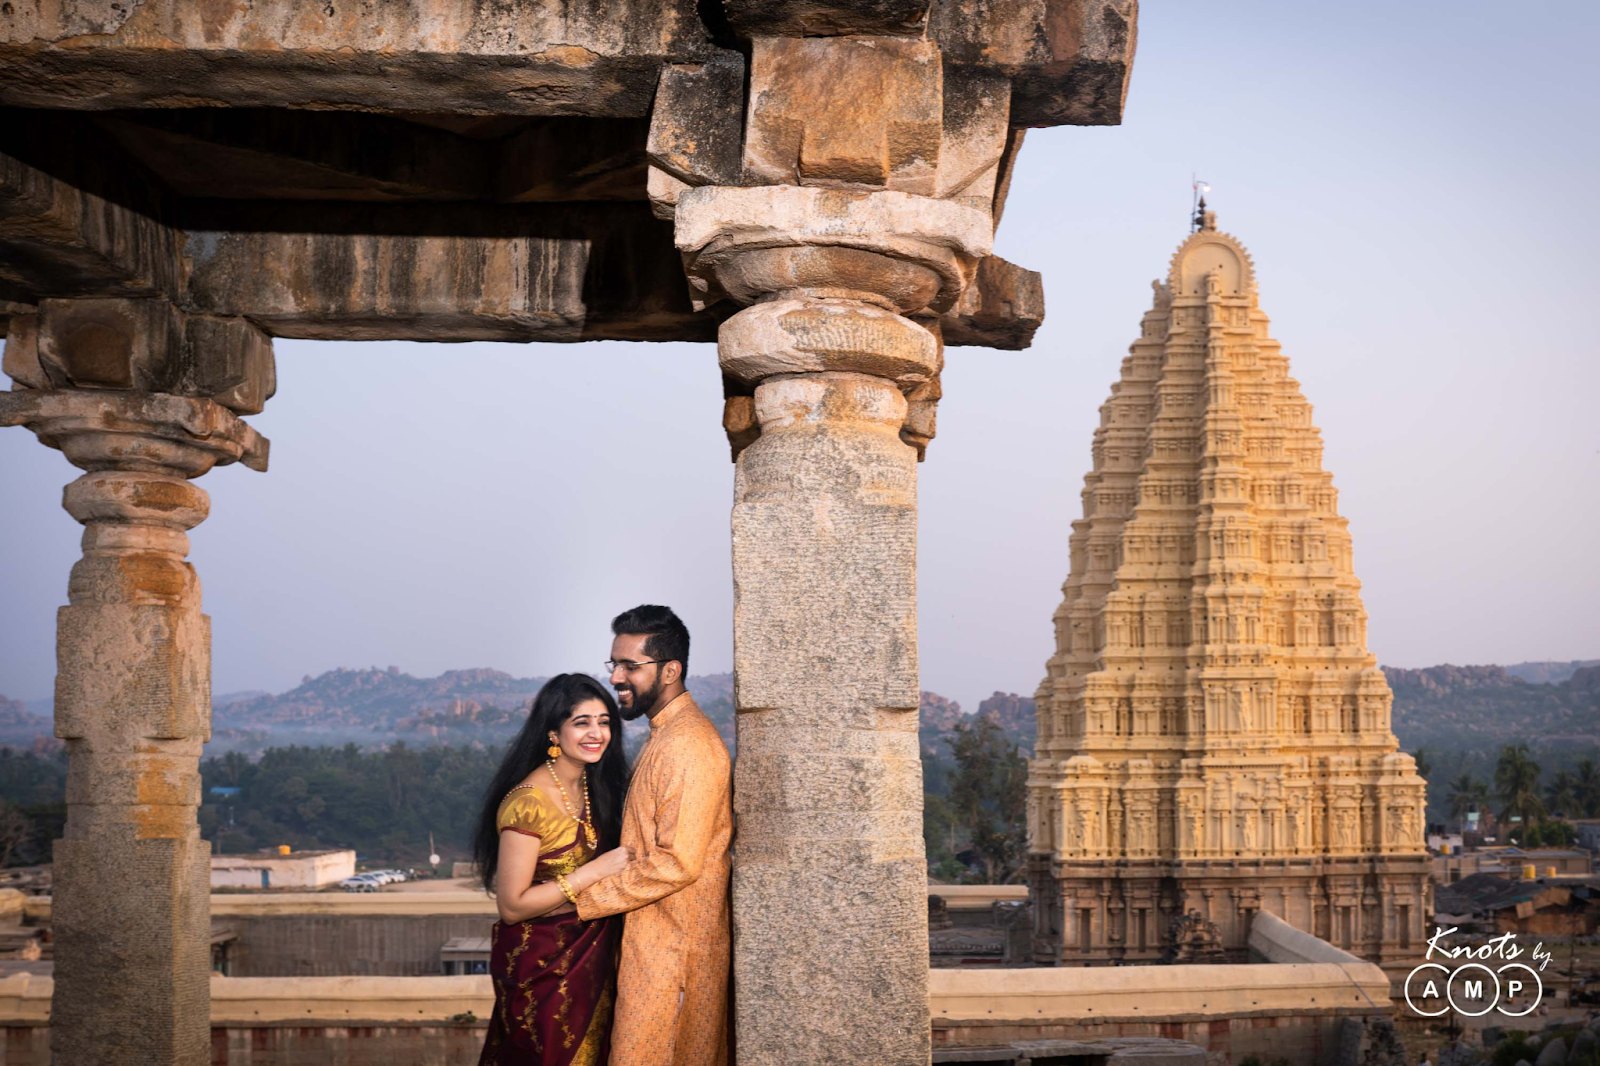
{"x":282,"y":869}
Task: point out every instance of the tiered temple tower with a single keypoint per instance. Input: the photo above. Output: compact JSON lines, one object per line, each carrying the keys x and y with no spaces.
{"x":1213,"y":733}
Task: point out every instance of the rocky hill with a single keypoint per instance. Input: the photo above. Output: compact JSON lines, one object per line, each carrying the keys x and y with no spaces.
{"x":1447,"y":708}
{"x":19,"y":726}
{"x":1549,"y":673}
{"x":1441,"y":708}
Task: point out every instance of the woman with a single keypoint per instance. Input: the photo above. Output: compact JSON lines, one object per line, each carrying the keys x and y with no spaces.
{"x":549,"y":829}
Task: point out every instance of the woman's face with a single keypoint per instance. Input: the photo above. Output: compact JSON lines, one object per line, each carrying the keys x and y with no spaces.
{"x":586,"y":733}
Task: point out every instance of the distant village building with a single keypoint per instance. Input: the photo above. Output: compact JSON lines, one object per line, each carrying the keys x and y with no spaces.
{"x":282,"y":869}
{"x":1539,"y":906}
{"x":1214,"y":736}
{"x":1512,"y":862}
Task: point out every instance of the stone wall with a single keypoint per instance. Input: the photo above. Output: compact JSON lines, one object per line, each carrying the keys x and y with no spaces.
{"x":1289,"y":1010}
{"x":1293,"y":1011}
{"x":352,"y":1021}
{"x":329,"y":945}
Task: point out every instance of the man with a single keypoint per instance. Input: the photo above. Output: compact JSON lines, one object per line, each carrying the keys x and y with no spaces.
{"x":672,"y":982}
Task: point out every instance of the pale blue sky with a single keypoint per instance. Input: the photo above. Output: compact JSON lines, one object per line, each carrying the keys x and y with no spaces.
{"x":1417,"y":184}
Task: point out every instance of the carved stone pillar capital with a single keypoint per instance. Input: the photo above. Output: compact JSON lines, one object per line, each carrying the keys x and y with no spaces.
{"x":106,"y":429}
{"x":891,"y":248}
{"x":831,"y":276}
{"x":806,"y":335}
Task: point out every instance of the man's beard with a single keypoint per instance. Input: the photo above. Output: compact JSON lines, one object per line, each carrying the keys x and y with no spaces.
{"x":643,"y":701}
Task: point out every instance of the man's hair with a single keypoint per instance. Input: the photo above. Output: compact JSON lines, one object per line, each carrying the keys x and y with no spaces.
{"x":667,"y":636}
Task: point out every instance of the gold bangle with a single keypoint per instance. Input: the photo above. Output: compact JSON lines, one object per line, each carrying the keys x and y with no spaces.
{"x":566,"y":889}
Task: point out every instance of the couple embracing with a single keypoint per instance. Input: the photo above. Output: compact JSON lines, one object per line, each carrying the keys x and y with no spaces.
{"x":614,"y":935}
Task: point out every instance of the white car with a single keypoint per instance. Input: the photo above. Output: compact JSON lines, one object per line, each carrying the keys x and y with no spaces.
{"x":361,"y":883}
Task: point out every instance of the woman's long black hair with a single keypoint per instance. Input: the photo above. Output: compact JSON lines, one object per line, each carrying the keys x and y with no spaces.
{"x":608,"y":778}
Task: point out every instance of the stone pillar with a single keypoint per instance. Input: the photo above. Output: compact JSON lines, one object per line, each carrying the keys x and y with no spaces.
{"x":842,"y":189}
{"x":133,"y":685}
{"x":830,"y":879}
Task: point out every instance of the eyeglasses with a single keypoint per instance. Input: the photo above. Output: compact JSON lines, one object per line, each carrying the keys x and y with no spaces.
{"x":628,"y":665}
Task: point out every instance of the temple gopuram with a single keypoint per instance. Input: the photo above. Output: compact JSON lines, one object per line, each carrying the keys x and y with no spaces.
{"x":813,"y":184}
{"x":1214,"y":735}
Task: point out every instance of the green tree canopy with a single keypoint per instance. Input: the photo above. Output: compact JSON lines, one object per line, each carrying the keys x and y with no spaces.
{"x":1516,"y":785}
{"x":988,"y":797}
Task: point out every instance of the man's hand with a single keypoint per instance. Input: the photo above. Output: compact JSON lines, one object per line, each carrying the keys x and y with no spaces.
{"x":605,"y":865}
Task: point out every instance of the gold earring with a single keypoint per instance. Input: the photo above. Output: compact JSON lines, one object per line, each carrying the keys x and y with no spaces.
{"x":554,"y":749}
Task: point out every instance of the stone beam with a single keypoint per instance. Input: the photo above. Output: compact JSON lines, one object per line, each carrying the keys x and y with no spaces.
{"x":1067,"y":60}
{"x":571,"y":58}
{"x":534,"y":273}
{"x":78,"y":229}
{"x":514,"y":272}
{"x":272,"y":154}
{"x":275,"y":154}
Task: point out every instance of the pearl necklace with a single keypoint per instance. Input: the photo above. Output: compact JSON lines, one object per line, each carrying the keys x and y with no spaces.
{"x":588,"y":826}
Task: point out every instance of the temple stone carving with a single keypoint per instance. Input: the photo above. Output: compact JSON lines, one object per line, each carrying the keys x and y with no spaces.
{"x":1214,"y":735}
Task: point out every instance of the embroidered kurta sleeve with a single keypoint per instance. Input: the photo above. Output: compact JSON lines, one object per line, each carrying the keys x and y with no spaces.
{"x":526,"y":811}
{"x":689,"y":791}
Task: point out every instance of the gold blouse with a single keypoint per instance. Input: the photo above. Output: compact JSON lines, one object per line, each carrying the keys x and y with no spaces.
{"x":527,"y":810}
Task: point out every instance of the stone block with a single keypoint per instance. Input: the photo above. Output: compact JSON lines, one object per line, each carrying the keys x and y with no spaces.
{"x":230,"y":361}
{"x":827,"y":18}
{"x":739,"y":422}
{"x":22,"y":353}
{"x":977,"y":112}
{"x":913,"y":251}
{"x":1002,"y":308}
{"x":798,"y":336}
{"x":847,"y":112}
{"x":126,"y":672}
{"x":110,"y":343}
{"x":663,"y":190}
{"x":1068,"y":60}
{"x":697,"y":124}
{"x":132,"y":935}
{"x":835,"y":959}
{"x":75,"y":220}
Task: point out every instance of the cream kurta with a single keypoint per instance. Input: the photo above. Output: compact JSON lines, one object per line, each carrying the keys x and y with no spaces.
{"x":672,"y":982}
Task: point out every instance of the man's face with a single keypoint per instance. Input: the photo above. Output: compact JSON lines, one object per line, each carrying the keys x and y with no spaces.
{"x":638,"y":687}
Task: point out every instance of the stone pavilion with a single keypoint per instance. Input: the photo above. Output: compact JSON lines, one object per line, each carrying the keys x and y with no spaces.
{"x":1214,"y":735}
{"x":814,"y":184}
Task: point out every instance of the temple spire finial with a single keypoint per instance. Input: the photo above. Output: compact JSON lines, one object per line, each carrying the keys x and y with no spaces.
{"x":1199,"y":217}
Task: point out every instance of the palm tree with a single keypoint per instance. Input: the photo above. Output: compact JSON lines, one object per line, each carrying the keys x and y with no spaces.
{"x":1561,"y":794}
{"x":1466,"y":794}
{"x":1586,"y":783}
{"x":1424,"y":764}
{"x":1516,"y":785}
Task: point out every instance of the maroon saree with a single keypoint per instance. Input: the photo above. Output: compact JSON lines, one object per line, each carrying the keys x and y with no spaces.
{"x":555,"y":979}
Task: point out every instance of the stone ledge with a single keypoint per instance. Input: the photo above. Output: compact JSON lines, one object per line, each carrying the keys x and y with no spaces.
{"x":456,"y":901}
{"x":263,"y":1001}
{"x":1160,"y":993}
{"x":966,"y":998}
{"x":978,"y":897}
{"x":1277,"y":941}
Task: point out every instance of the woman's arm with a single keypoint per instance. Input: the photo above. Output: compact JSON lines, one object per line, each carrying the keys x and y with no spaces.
{"x":515,"y":895}
{"x":518,"y":898}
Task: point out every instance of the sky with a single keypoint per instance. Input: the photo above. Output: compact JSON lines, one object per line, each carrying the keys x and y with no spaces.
{"x":1416,"y":183}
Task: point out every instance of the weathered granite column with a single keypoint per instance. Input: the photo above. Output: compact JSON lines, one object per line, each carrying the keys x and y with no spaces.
{"x":133,"y":685}
{"x":830,"y":899}
{"x":841,"y":187}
